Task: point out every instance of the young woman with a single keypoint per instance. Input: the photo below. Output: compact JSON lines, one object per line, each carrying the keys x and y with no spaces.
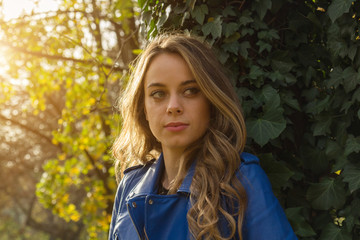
{"x":180,"y":107}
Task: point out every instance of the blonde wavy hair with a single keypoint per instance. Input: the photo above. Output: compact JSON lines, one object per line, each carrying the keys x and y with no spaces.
{"x":217,"y":153}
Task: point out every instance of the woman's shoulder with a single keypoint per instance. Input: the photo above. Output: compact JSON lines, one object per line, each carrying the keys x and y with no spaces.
{"x":248,"y":158}
{"x":137,"y":171}
{"x":251,"y":174}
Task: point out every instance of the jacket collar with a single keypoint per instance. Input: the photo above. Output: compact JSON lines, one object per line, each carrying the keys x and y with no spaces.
{"x":148,"y":183}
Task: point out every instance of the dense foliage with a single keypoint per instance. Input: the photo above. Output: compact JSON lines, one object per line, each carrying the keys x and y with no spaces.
{"x":64,"y":69}
{"x":296,"y":68}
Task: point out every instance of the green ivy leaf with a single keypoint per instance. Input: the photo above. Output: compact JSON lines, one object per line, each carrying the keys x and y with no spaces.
{"x":229,"y":11}
{"x":230,"y":29}
{"x":199,"y":13}
{"x":271,"y":98}
{"x":288,"y":98}
{"x":214,"y":27}
{"x":338,"y":8}
{"x":268,"y":127}
{"x":261,"y":7}
{"x":322,"y":126}
{"x":329,"y":192}
{"x":315,"y":160}
{"x":352,"y":145}
{"x":335,"y":77}
{"x":333,"y":232}
{"x":318,"y":105}
{"x":280,"y":60}
{"x":232,"y":47}
{"x":351,"y":175}
{"x":244,"y":46}
{"x":298,"y":222}
{"x":263,"y":46}
{"x":277,"y":172}
{"x":351,"y":79}
{"x":255,"y":72}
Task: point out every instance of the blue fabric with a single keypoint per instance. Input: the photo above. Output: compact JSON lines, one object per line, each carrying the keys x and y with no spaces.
{"x":140,"y":213}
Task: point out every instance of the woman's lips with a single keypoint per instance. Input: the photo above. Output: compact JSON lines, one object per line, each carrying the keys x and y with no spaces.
{"x":176,"y":126}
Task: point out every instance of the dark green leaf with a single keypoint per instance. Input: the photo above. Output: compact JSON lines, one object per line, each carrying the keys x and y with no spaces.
{"x":322,"y":127}
{"x":298,"y":222}
{"x":335,"y":77}
{"x":317,"y":106}
{"x":263,"y":46}
{"x":333,"y":232}
{"x":338,"y":8}
{"x":277,"y":172}
{"x":328,"y":193}
{"x":271,"y":98}
{"x":244,"y":46}
{"x":199,"y":13}
{"x":244,"y":20}
{"x":268,"y":127}
{"x":280,"y":60}
{"x":255,"y":72}
{"x":333,"y":148}
{"x":230,"y":29}
{"x":351,"y":79}
{"x":315,"y":160}
{"x":261,"y":7}
{"x":352,"y":145}
{"x":232,"y":47}
{"x":288,"y":98}
{"x":213,"y":27}
{"x":351,"y":175}
{"x":356,"y":95}
{"x":229,"y":11}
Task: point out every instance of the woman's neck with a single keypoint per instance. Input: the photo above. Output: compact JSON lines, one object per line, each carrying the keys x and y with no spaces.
{"x":172,"y":162}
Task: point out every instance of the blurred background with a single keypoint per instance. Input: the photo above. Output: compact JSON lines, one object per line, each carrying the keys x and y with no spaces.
{"x":62,"y":63}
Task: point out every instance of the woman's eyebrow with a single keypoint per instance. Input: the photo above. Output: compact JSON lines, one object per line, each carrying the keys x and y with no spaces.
{"x":155,"y":85}
{"x":187,"y":82}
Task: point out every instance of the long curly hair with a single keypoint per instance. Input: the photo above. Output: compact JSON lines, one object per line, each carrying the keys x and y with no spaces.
{"x":217,"y":152}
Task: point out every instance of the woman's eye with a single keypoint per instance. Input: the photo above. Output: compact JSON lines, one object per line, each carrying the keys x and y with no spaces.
{"x":191,"y":91}
{"x":157,"y":94}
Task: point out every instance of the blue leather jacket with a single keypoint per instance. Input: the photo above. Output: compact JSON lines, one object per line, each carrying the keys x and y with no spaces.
{"x":140,"y":213}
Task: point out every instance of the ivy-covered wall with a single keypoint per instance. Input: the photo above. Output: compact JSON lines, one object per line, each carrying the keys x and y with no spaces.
{"x":296,"y":68}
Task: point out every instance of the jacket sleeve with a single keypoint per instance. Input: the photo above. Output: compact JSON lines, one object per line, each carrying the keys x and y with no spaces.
{"x":264,"y":217}
{"x":118,"y":199}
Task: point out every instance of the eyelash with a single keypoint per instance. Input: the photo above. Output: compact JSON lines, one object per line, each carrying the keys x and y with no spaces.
{"x":193,"y":91}
{"x":152,"y":94}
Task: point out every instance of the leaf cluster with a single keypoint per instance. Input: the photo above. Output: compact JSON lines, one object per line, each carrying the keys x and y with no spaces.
{"x":296,"y":68}
{"x":72,"y":61}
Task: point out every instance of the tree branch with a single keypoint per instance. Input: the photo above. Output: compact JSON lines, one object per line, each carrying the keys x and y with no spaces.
{"x":60,"y":57}
{"x":27,"y":128}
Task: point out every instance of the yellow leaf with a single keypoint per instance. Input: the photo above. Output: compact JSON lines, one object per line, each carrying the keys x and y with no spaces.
{"x":75,"y":217}
{"x":92,"y":101}
{"x":62,"y":156}
{"x":75,"y":171}
{"x":85,"y":111}
{"x":85,"y":141}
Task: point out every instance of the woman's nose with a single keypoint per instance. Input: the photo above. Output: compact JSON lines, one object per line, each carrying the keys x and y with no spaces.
{"x":174,"y":105}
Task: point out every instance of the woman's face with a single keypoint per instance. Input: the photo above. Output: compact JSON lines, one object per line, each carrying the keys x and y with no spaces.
{"x":177,"y":111}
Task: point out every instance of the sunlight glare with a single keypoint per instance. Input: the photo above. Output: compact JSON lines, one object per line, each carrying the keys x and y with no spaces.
{"x":15,"y":8}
